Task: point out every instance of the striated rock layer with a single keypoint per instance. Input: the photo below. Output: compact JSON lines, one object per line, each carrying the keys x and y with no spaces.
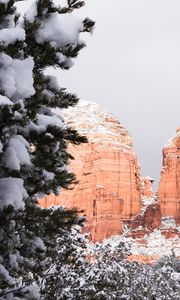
{"x":169,"y":187}
{"x":109,"y":188}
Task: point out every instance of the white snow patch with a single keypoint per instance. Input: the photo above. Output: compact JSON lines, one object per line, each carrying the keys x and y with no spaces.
{"x":48,"y":175}
{"x":31,"y":12}
{"x":11,"y":35}
{"x":92,"y":119}
{"x":68,"y":62}
{"x":14,"y":260}
{"x":16,"y":153}
{"x":175,"y":276}
{"x":99,"y":187}
{"x":44,"y":121}
{"x":146,"y":201}
{"x":1,"y":147}
{"x":53,"y":82}
{"x":4,"y":274}
{"x":60,"y":30}
{"x":4,"y":1}
{"x":169,"y":222}
{"x":34,"y":292}
{"x":5,"y":101}
{"x":17,"y":76}
{"x":149,"y":178}
{"x":36,"y":243}
{"x":12,"y":192}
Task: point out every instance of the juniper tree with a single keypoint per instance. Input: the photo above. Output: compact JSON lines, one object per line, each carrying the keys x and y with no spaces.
{"x":34,"y":138}
{"x":101,"y":272}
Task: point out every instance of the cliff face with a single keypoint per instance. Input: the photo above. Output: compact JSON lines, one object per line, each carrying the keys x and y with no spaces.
{"x":169,"y":187}
{"x":112,"y":193}
{"x":109,"y":188}
{"x":165,"y":208}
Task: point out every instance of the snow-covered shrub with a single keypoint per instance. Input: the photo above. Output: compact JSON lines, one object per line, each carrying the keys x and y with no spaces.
{"x":112,"y":277}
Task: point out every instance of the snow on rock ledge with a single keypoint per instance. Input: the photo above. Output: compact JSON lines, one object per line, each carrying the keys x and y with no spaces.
{"x":97,"y":124}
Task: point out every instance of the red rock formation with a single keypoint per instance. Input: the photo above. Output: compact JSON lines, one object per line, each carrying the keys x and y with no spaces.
{"x":147,"y":186}
{"x":109,"y":187}
{"x":169,"y":187}
{"x":145,"y":222}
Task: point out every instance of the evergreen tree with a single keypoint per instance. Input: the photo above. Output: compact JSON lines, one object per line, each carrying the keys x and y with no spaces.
{"x":34,"y":139}
{"x":102,"y":272}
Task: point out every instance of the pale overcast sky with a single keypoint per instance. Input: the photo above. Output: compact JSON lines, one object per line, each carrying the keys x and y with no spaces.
{"x":131,"y":66}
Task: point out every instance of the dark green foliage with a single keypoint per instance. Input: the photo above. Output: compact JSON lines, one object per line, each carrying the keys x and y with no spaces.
{"x":30,"y":236}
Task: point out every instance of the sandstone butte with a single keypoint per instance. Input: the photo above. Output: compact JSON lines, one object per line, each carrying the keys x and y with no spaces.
{"x":110,"y":187}
{"x":110,"y":183}
{"x":169,"y":187}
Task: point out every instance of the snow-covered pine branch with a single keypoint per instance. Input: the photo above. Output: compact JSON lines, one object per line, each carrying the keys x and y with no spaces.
{"x":33,"y":137}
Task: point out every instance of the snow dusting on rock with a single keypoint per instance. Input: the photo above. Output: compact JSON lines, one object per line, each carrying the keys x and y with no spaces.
{"x":93,"y":120}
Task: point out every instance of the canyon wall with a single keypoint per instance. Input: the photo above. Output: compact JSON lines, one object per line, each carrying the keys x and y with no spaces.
{"x":109,"y":188}
{"x":169,"y":187}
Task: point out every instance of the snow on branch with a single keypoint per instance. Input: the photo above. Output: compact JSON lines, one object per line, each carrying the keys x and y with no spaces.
{"x":12,"y":193}
{"x":16,"y":76}
{"x":59,"y":29}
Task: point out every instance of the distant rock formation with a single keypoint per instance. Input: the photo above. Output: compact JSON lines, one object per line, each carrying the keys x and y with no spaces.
{"x":109,"y":188}
{"x":169,"y":187}
{"x":147,"y":186}
{"x":111,"y":191}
